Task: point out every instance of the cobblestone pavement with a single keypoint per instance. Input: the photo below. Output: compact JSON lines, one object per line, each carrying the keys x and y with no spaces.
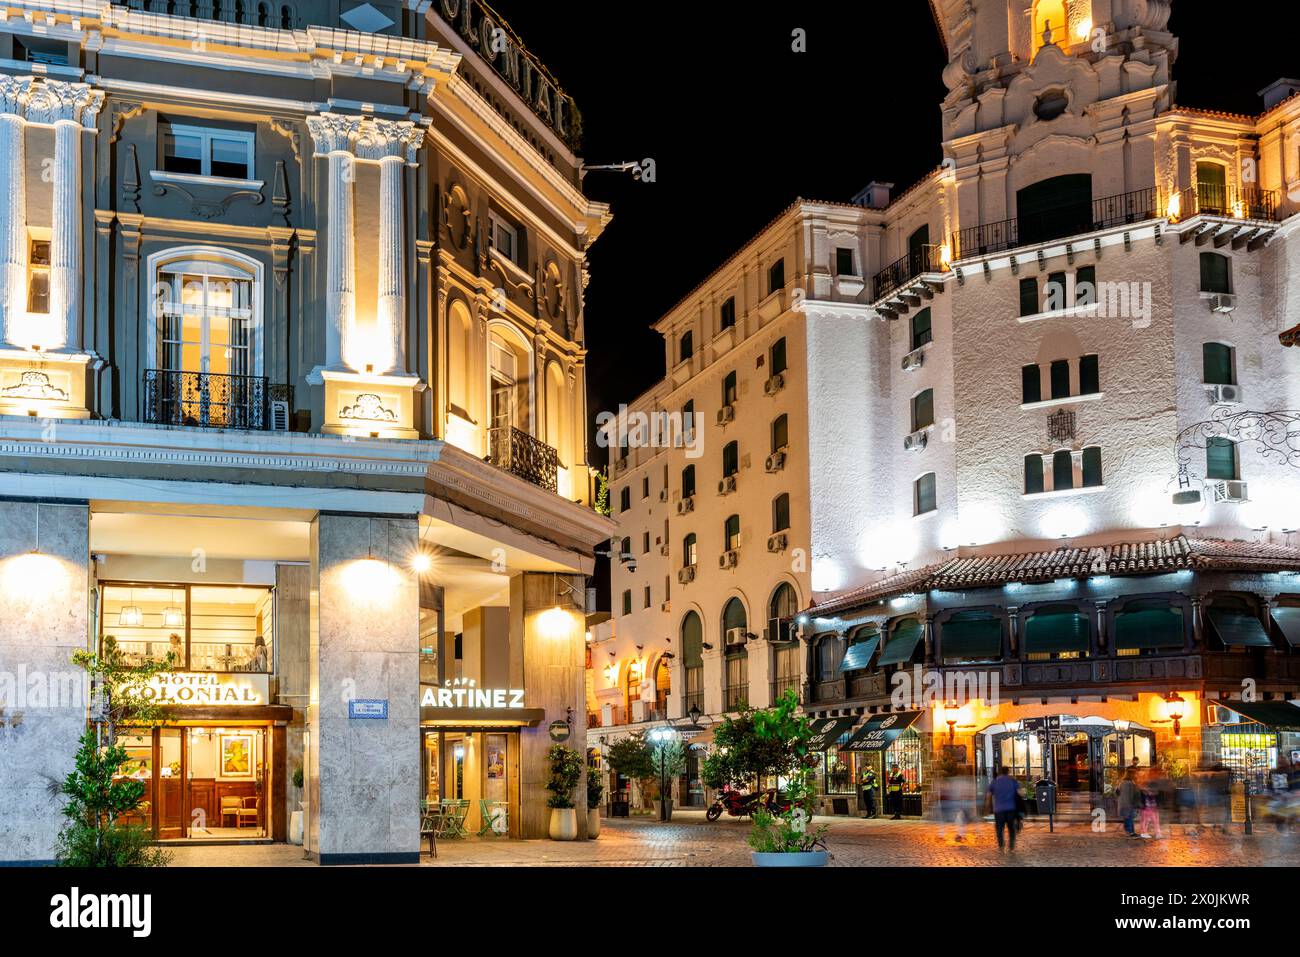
{"x":689,"y":841}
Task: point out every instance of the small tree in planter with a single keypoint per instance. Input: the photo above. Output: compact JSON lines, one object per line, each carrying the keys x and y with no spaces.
{"x":668,"y":759}
{"x":566,"y":772}
{"x":595,"y":790}
{"x":98,"y":794}
{"x":631,"y":757}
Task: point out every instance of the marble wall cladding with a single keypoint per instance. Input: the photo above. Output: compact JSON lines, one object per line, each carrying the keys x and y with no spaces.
{"x":365,"y":644}
{"x":44,"y":618}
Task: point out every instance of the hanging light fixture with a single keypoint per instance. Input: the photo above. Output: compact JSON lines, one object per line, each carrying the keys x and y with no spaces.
{"x":130,"y":616}
{"x":173,"y":617}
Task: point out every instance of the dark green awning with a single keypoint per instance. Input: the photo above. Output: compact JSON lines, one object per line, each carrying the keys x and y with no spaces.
{"x":1277,"y":715}
{"x":880,"y":731}
{"x":1149,"y":628}
{"x":1287,"y":620}
{"x":971,"y":638}
{"x":902,"y":642}
{"x":859,"y":656}
{"x":826,"y":731}
{"x":1238,"y":629}
{"x":1056,"y":632}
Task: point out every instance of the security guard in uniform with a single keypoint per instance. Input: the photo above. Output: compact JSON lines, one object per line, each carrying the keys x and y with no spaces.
{"x":869,"y":784}
{"x":894,"y":791}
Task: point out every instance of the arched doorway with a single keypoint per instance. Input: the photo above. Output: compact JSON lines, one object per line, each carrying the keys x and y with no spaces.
{"x":663,"y":686}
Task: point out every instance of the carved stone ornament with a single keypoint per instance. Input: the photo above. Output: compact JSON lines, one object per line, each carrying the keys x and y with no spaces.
{"x":369,"y":408}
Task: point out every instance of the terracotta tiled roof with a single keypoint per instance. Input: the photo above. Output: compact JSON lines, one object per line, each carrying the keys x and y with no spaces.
{"x":1125,"y":558}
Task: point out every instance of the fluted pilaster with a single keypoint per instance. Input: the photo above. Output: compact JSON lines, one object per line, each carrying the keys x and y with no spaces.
{"x":13,"y":203}
{"x":334,"y":137}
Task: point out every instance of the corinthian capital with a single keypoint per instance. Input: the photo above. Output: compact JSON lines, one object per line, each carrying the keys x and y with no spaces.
{"x":13,"y":94}
{"x":381,"y":138}
{"x":50,"y":101}
{"x":333,"y":132}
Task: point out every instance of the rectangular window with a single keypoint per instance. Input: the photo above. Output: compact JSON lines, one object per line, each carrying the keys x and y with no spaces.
{"x":645,"y":486}
{"x":38,"y":277}
{"x":923,"y":410}
{"x":645,"y":543}
{"x":1060,"y":375}
{"x":780,"y":432}
{"x":923,"y":497}
{"x":1215,"y":273}
{"x":205,"y":151}
{"x":1062,"y":470}
{"x":1055,"y":292}
{"x":685,"y":347}
{"x":646,"y":603}
{"x":1033,"y":474}
{"x":1220,"y":458}
{"x":1092,"y":467}
{"x":1085,"y":286}
{"x":688,"y":481}
{"x":1089,"y":375}
{"x":776,"y":357}
{"x":781,"y":512}
{"x":730,"y":459}
{"x":1031,"y":384}
{"x":627,"y":602}
{"x":844,"y":262}
{"x":40,"y":50}
{"x":921,"y":328}
{"x":625,"y":498}
{"x":776,"y":276}
{"x":505,"y":237}
{"x":727,"y":315}
{"x":729,"y":389}
{"x":1029,"y":296}
{"x":1216,"y":361}
{"x":731,"y":532}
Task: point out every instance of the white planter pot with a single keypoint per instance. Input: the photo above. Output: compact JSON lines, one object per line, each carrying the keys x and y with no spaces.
{"x":295,"y":827}
{"x":564,"y":824}
{"x":593,"y":823}
{"x":793,"y":859}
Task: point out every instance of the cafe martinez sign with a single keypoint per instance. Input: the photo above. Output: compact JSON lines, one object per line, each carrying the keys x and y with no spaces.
{"x":196,"y":688}
{"x":467,"y":696}
{"x":492,"y":39}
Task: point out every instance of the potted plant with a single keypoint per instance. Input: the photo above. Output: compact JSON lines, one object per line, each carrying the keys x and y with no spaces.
{"x":668,"y":758}
{"x":773,"y":742}
{"x":296,"y":817}
{"x":630,"y":757}
{"x":566,"y":771}
{"x":595,"y":789}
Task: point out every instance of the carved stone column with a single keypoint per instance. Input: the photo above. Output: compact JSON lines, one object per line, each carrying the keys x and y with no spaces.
{"x":13,"y":203}
{"x":334,"y":137}
{"x":69,"y":107}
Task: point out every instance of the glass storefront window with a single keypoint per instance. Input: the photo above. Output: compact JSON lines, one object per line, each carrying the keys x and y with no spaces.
{"x":1249,"y":756}
{"x":839,"y":772}
{"x":224,"y":628}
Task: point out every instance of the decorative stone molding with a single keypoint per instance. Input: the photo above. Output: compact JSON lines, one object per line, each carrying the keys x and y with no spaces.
{"x":333,"y":132}
{"x":14,"y":91}
{"x":380,"y":139}
{"x":54,"y":101}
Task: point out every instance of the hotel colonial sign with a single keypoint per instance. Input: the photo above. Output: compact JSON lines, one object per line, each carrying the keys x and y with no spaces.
{"x":207,"y":689}
{"x":492,"y":39}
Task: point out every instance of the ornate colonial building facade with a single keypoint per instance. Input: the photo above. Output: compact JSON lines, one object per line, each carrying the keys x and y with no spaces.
{"x":1028,"y":464}
{"x":292,"y":386}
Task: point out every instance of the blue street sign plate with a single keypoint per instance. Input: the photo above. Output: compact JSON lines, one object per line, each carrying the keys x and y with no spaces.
{"x":368,"y":708}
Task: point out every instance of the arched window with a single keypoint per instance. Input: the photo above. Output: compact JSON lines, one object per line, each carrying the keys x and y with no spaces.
{"x":509,"y":374}
{"x":286,"y":17}
{"x":830,"y":652}
{"x":1212,"y":188}
{"x":663,"y":688}
{"x":730,"y":458}
{"x":1049,"y":15}
{"x":1033,"y":474}
{"x":1217,"y":364}
{"x":780,"y":432}
{"x":1092,"y":477}
{"x":690,"y":550}
{"x":1062,"y":470}
{"x":736,"y":658}
{"x":781,"y":608}
{"x":688,"y":481}
{"x":459,"y":358}
{"x":691,"y":635}
{"x":731,"y":534}
{"x":781,"y":512}
{"x":923,"y":495}
{"x":632,"y":686}
{"x":1216,"y":274}
{"x":786,"y":649}
{"x":1221,"y":458}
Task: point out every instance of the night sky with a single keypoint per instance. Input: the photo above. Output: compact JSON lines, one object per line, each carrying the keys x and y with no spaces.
{"x":739,"y":125}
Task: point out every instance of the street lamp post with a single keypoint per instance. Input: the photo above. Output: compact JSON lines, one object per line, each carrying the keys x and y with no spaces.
{"x":662,"y":737}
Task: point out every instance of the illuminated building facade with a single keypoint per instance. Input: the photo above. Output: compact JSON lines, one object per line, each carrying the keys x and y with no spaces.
{"x":292,"y":386}
{"x":1020,"y":444}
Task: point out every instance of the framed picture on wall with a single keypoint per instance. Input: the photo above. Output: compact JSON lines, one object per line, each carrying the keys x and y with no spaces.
{"x":496,"y":761}
{"x":236,"y":758}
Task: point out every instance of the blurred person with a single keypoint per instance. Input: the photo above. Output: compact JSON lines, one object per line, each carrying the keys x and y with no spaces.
{"x":957,"y":794}
{"x":1129,"y":799}
{"x":1149,"y":819}
{"x":1003,"y":799}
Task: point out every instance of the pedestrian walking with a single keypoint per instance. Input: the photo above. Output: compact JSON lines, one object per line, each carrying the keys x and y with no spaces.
{"x":867,"y":781}
{"x":1002,"y":797}
{"x":1149,"y":820}
{"x":956,"y":795}
{"x":1129,"y":799}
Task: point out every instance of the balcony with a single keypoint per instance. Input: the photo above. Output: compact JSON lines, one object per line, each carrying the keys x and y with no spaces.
{"x":926,"y":259}
{"x":209,"y":399}
{"x":1241,"y":215}
{"x":735,"y":697}
{"x":1108,"y":212}
{"x":783,"y":684}
{"x":692,"y":699}
{"x":522,"y":455}
{"x":252,"y":13}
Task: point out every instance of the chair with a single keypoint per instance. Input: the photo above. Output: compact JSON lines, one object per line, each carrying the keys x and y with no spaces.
{"x":453,"y":819}
{"x":248,"y":811}
{"x":495,"y":815}
{"x":430,"y":825}
{"x":231,"y":806}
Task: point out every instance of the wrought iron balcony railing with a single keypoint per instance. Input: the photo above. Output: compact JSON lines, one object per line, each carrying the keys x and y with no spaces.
{"x":520,"y":454}
{"x":926,"y":259}
{"x":735,"y":697}
{"x":172,"y":397}
{"x":692,"y":699}
{"x":1070,"y":220}
{"x":252,"y":13}
{"x":1235,"y":202}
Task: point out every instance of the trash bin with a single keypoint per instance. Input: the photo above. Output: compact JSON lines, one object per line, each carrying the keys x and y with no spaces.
{"x":1045,"y":796}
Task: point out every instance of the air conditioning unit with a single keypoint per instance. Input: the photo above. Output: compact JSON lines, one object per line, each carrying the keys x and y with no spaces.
{"x":726,"y":414}
{"x":279,"y":415}
{"x":913,"y":360}
{"x":663,"y":549}
{"x":686,"y":574}
{"x":727,"y":485}
{"x":663,"y":495}
{"x":1223,"y":302}
{"x":666,"y":606}
{"x":735,"y":636}
{"x":686,"y":505}
{"x":775,"y":462}
{"x":728,"y":558}
{"x":916,"y":441}
{"x":1225,"y":393}
{"x":774,"y":384}
{"x":777,"y":542}
{"x":1228,"y":490}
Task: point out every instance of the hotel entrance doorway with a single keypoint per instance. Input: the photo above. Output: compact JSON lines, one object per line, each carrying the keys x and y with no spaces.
{"x":202,"y":782}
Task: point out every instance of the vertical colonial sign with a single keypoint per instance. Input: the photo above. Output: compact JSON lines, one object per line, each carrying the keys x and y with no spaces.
{"x":492,"y":39}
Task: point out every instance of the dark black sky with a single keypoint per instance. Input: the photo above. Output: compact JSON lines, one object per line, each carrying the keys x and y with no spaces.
{"x":739,"y":125}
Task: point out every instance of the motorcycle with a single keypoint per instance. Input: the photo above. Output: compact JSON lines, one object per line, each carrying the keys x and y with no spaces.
{"x":740,"y":804}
